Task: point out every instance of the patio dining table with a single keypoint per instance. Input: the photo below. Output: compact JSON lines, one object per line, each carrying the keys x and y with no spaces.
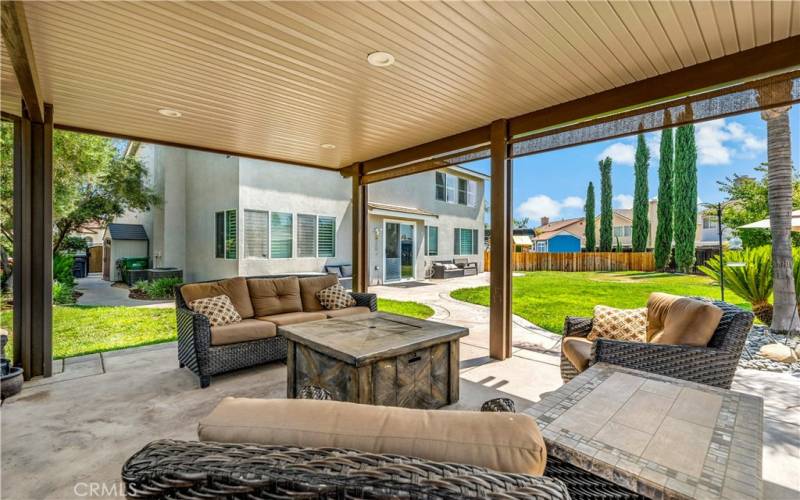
{"x":656,"y":436}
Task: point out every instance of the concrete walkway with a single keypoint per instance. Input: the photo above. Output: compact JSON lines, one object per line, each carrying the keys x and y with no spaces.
{"x":97,"y":292}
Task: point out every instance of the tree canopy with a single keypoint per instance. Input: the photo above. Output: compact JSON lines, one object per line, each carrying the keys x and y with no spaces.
{"x":92,"y":182}
{"x":589,"y":216}
{"x":685,"y":196}
{"x":641,"y":197}
{"x":606,"y":209}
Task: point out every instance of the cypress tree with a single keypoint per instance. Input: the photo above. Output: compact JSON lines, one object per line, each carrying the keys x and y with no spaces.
{"x":641,"y":224}
{"x":588,"y":210}
{"x":663,"y":245}
{"x":606,"y":211}
{"x":685,"y":196}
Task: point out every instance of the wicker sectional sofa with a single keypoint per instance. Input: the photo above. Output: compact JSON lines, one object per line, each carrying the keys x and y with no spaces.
{"x":265,"y":303}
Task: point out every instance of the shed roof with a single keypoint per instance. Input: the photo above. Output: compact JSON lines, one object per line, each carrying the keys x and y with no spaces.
{"x":127,"y":232}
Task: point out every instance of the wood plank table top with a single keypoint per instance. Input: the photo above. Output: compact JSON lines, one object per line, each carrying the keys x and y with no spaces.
{"x":658,"y":436}
{"x":363,"y":338}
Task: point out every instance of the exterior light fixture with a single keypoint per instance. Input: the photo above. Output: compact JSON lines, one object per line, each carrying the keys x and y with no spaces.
{"x":380,"y":59}
{"x":172,"y":113}
{"x":328,"y":146}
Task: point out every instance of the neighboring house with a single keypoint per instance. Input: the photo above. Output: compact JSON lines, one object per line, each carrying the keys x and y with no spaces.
{"x":557,"y":242}
{"x":225,"y":216}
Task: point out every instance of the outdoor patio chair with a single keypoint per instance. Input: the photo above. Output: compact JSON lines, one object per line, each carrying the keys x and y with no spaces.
{"x":470,"y":268}
{"x":445,"y":269}
{"x":713,"y":365}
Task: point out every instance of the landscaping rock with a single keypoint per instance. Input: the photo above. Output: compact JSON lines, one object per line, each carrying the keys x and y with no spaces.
{"x":778,"y":352}
{"x":760,"y":336}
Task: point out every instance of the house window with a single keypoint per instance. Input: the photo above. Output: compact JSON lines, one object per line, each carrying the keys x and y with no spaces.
{"x":462,"y":191}
{"x":256,"y":234}
{"x":225,"y":232}
{"x":541,"y":246}
{"x":326,"y":246}
{"x":465,"y":241}
{"x":432,"y":240}
{"x":306,"y":235}
{"x":709,"y":222}
{"x":441,"y":186}
{"x":623,"y":231}
{"x":281,"y":235}
{"x":452,"y":188}
{"x":472,"y":193}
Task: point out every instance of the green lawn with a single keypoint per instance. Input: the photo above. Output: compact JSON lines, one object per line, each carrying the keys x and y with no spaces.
{"x":545,"y":298}
{"x":88,"y":329}
{"x":81,"y":330}
{"x":413,"y":309}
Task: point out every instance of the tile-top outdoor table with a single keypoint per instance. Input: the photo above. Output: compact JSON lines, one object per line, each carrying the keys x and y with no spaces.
{"x":376,"y":358}
{"x":654,"y":435}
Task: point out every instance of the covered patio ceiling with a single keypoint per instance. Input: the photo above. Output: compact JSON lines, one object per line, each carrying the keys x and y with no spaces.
{"x":277,"y":80}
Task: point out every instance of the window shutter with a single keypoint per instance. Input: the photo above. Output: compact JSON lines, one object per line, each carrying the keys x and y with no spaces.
{"x":231,"y":230}
{"x":281,"y":237}
{"x":475,"y":241}
{"x":256,"y":234}
{"x":306,"y":235}
{"x":327,"y":237}
{"x":456,"y":241}
{"x":220,"y":235}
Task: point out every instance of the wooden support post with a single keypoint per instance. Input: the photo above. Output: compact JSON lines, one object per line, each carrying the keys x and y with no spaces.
{"x":33,"y":244}
{"x":360,"y":232}
{"x":500,"y":323}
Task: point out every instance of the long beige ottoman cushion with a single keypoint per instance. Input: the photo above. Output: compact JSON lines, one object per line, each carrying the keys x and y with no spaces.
{"x":505,"y":442}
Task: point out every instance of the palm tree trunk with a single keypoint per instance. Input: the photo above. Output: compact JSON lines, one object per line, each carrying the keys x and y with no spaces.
{"x":779,"y":182}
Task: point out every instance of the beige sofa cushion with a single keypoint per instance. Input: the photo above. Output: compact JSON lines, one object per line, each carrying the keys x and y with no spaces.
{"x":676,"y":320}
{"x":504,"y":442}
{"x":243,"y":331}
{"x":293,"y":318}
{"x":235,"y":288}
{"x":578,"y":351}
{"x":310,"y":286}
{"x":275,"y":295}
{"x":348,"y":311}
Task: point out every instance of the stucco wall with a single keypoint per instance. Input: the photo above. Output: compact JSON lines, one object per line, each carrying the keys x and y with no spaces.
{"x":212,"y":184}
{"x":277,"y":187}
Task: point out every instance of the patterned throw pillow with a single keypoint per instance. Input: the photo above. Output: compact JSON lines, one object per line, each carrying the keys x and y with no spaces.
{"x":619,"y":324}
{"x":219,"y":310}
{"x":334,"y":297}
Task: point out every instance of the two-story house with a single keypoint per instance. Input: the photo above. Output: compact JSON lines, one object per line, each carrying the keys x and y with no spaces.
{"x":226,"y":216}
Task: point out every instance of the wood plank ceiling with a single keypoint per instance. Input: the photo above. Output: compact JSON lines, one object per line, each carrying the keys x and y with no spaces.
{"x":278,"y":79}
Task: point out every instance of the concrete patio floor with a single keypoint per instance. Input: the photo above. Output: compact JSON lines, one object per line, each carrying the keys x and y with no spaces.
{"x":79,"y":426}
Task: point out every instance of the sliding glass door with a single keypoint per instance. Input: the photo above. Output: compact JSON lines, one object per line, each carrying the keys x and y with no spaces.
{"x":399,"y":251}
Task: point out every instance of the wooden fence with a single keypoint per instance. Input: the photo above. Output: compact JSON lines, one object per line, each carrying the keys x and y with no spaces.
{"x":584,"y":261}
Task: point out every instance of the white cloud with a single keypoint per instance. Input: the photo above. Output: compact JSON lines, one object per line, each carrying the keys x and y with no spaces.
{"x":572,"y":202}
{"x":620,"y":153}
{"x":623,"y":201}
{"x":542,"y":205}
{"x":718,"y":142}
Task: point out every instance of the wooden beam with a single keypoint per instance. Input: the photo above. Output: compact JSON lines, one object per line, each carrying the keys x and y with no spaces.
{"x":418,"y":167}
{"x":464,"y":140}
{"x":360,"y":233}
{"x":747,"y":64}
{"x":20,"y":51}
{"x":500,"y":324}
{"x":151,"y":140}
{"x":770,"y":58}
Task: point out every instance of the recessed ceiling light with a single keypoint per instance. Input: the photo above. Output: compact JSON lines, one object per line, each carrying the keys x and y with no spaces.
{"x":170,"y":112}
{"x":328,"y":146}
{"x":380,"y":59}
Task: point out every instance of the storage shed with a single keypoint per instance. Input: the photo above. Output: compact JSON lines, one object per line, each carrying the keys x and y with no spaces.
{"x":122,"y":240}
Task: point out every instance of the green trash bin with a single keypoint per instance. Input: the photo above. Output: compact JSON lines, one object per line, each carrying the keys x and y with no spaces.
{"x":128,"y":264}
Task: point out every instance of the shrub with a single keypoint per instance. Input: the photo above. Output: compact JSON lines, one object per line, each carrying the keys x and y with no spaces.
{"x":62,"y":269}
{"x":752,"y":282}
{"x":162,"y":288}
{"x":63,"y":293}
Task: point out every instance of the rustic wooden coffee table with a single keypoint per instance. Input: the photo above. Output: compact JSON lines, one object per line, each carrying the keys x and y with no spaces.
{"x":657,"y":436}
{"x":376,"y":358}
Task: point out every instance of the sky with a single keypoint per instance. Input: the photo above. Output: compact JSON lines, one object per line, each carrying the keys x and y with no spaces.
{"x":553,"y":184}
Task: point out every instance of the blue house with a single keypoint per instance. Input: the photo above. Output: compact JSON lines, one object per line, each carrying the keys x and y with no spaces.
{"x":557,"y":242}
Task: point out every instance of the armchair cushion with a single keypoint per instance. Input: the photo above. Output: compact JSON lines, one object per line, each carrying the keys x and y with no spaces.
{"x":310,"y":286}
{"x":578,"y":351}
{"x":243,"y":331}
{"x":676,"y":320}
{"x":275,"y":295}
{"x":500,"y":441}
{"x":235,"y":288}
{"x":620,"y":324}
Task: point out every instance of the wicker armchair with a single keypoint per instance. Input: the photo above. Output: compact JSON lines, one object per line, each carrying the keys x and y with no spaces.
{"x":713,"y":365}
{"x":196,"y":352}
